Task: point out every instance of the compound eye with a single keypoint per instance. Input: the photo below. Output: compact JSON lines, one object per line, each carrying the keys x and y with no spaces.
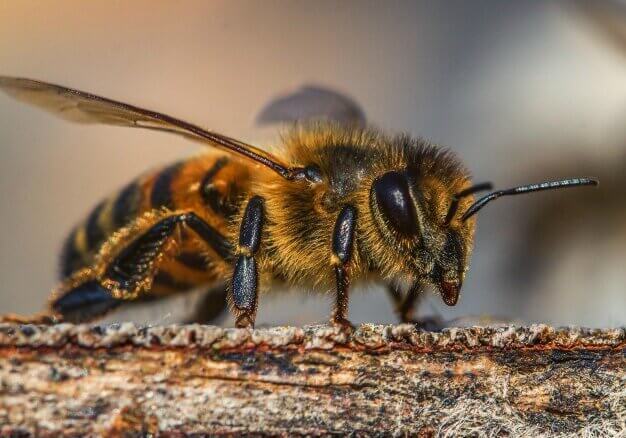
{"x":394,"y":201}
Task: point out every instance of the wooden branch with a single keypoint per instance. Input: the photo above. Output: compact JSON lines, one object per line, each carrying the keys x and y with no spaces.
{"x":124,"y":380}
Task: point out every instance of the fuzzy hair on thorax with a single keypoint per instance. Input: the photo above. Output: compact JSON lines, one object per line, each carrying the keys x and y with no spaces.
{"x":301,"y":215}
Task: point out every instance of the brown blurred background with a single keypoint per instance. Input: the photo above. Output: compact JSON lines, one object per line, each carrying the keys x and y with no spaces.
{"x":522,"y":90}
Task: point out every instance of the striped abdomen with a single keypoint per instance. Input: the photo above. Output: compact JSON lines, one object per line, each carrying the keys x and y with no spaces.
{"x":210,"y":186}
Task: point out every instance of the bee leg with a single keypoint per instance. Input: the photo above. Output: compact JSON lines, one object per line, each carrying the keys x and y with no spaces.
{"x":128,"y":270}
{"x":404,"y":307}
{"x":404,"y":304}
{"x":245,"y":280}
{"x":81,"y":298}
{"x":342,"y":246}
{"x":131,"y":271}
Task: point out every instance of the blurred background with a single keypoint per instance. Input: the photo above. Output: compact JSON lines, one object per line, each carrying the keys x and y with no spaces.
{"x":522,"y":91}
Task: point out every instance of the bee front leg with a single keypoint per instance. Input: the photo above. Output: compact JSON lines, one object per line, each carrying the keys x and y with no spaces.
{"x":404,"y":306}
{"x":342,"y":248}
{"x":245,"y":281}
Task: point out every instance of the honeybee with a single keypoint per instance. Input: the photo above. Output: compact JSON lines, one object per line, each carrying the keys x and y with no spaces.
{"x":336,"y":204}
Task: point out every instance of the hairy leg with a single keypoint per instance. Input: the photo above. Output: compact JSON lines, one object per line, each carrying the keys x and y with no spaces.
{"x":128,"y":263}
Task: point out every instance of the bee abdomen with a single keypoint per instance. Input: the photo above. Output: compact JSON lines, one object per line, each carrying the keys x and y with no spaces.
{"x":161,"y":194}
{"x":86,"y":239}
{"x":72,"y":255}
{"x":209,"y":186}
{"x":211,"y":196}
{"x":126,"y":205}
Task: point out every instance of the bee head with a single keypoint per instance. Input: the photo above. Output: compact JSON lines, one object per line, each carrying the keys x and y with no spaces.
{"x":431,"y":223}
{"x":412,"y":212}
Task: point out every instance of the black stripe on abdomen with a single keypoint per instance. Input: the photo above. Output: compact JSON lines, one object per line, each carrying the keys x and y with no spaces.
{"x":71,"y":257}
{"x":75,"y":256}
{"x":161,"y":195}
{"x":122,"y":210}
{"x":95,"y":233}
{"x":126,"y":205}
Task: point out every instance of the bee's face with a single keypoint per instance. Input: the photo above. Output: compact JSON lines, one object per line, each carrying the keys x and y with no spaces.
{"x":410,"y":212}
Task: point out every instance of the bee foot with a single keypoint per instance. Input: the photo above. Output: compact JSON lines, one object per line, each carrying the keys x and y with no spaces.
{"x":244,"y":321}
{"x":344,"y":325}
{"x":430,"y":324}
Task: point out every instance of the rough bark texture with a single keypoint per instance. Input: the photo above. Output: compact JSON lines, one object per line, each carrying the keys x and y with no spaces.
{"x":125,"y":380}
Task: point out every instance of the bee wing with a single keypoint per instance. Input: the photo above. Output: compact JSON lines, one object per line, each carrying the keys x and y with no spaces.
{"x":82,"y":107}
{"x":312,"y":102}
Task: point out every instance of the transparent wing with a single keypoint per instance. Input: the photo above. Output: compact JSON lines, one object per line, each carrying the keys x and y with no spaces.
{"x":82,"y":107}
{"x":312,"y":102}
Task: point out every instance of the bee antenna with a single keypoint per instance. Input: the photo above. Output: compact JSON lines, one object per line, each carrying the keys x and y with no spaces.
{"x":528,"y":188}
{"x":454,"y":206}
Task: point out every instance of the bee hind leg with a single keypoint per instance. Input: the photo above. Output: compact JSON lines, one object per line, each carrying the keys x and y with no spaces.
{"x":131,"y":271}
{"x":81,"y":298}
{"x":127,"y":268}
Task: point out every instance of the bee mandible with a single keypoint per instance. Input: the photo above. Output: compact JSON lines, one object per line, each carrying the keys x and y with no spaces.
{"x":338,"y":203}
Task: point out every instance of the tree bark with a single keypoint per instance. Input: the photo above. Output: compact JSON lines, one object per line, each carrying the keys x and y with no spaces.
{"x":125,"y":380}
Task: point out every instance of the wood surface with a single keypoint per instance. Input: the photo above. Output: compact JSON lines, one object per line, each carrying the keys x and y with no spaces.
{"x":193,"y":380}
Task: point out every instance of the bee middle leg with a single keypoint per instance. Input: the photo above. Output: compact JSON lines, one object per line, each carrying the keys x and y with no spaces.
{"x":342,"y":247}
{"x":245,"y":280}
